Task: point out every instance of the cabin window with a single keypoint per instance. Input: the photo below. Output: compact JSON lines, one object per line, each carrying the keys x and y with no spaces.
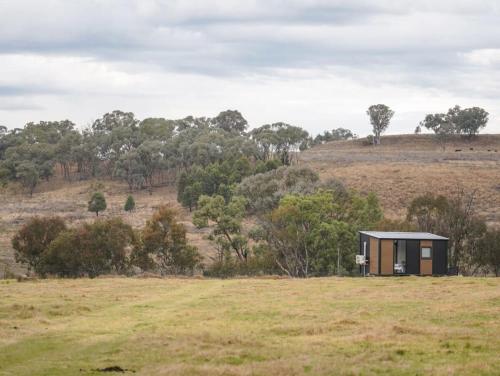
{"x":426,"y":252}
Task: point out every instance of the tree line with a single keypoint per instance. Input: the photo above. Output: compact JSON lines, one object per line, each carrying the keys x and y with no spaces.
{"x":156,"y":151}
{"x":143,"y":153}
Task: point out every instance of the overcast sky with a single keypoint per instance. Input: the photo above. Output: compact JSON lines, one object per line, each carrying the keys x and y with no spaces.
{"x":314,"y":63}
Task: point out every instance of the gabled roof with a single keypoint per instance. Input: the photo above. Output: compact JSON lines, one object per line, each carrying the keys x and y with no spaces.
{"x":403,"y":235}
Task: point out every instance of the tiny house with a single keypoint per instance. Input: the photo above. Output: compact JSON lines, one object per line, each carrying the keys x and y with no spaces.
{"x":402,"y":253}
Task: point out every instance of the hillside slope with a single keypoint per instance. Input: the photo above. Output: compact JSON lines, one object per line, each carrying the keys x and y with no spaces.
{"x":405,"y":166}
{"x":400,"y":169}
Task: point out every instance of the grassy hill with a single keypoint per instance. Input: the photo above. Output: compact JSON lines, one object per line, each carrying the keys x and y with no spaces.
{"x":321,"y":326}
{"x":400,"y":169}
{"x":405,"y":166}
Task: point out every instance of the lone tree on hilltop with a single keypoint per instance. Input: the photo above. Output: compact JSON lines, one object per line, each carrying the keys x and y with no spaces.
{"x":97,"y":203}
{"x":380,"y":117}
{"x":129,"y":204}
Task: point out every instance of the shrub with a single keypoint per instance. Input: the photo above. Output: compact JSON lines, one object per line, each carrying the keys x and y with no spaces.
{"x":92,"y":249}
{"x":32,"y":240}
{"x":164,"y":245}
{"x":129,"y":204}
{"x":97,"y":203}
{"x":489,"y":252}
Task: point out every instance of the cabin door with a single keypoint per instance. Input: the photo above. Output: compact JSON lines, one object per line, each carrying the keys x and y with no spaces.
{"x":412,"y":257}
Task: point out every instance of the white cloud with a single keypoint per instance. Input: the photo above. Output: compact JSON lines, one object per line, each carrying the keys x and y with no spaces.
{"x":316,"y":63}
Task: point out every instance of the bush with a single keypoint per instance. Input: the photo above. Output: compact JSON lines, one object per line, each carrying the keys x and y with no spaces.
{"x":33,"y":239}
{"x":164,"y":245}
{"x":369,"y":140}
{"x":489,"y":252}
{"x":129,"y":204}
{"x":92,"y":249}
{"x":260,"y":263}
{"x":97,"y":203}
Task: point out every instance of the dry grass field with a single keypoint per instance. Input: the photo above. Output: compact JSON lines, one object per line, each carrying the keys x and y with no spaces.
{"x":406,"y":166}
{"x":326,"y":326}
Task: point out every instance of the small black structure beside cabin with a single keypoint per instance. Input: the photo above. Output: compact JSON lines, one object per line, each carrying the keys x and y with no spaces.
{"x":403,"y":253}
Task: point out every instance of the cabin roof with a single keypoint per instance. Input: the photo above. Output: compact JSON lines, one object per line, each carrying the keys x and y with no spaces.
{"x":403,"y":235}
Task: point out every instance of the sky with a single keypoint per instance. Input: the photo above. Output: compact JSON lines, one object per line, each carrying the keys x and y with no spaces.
{"x":317,"y":64}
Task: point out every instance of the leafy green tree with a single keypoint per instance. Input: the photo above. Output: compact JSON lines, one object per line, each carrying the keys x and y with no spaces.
{"x":97,"y":203}
{"x":336,"y":134}
{"x":279,"y":139}
{"x":129,"y":204}
{"x":130,"y":168}
{"x":442,"y":125}
{"x":27,"y":174}
{"x":380,"y":117}
{"x":64,"y":152}
{"x":427,"y":212}
{"x":289,"y":140}
{"x":165,"y":246}
{"x":214,"y":179}
{"x":151,"y":159}
{"x":33,"y":239}
{"x":317,"y":234}
{"x":158,"y":129}
{"x":227,"y":219}
{"x":264,"y":191}
{"x":230,"y":121}
{"x":28,"y":163}
{"x":467,"y":121}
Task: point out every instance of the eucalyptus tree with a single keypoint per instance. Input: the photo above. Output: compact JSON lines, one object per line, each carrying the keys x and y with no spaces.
{"x":279,"y":139}
{"x":306,"y":234}
{"x":467,"y":121}
{"x":227,"y":218}
{"x":158,"y":129}
{"x":380,"y":117}
{"x":230,"y":121}
{"x":115,"y":133}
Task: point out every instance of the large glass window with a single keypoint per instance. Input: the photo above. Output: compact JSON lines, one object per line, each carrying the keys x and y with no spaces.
{"x":400,"y":257}
{"x":426,"y":252}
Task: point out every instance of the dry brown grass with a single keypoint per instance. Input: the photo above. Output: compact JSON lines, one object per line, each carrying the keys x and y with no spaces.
{"x":404,"y":167}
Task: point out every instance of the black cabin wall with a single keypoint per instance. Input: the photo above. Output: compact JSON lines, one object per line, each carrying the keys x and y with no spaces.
{"x":439,"y":257}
